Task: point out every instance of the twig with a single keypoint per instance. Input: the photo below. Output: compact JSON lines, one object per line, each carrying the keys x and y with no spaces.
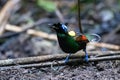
{"x":6,"y":12}
{"x":46,"y":58}
{"x":60,"y":63}
{"x":31,"y":32}
{"x":105,"y":58}
{"x":8,"y":35}
{"x":79,"y":20}
{"x":42,"y":34}
{"x":60,"y":16}
{"x":105,"y":45}
{"x":19,"y":30}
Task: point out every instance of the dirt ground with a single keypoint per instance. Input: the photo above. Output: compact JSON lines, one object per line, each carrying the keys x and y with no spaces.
{"x":107,"y":70}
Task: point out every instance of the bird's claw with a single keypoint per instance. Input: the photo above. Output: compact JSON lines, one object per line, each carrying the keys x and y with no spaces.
{"x":86,"y":58}
{"x":66,"y":60}
{"x":86,"y":55}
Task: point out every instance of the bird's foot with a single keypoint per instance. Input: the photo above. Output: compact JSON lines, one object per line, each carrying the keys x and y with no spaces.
{"x":86,"y":58}
{"x":86,"y":55}
{"x":67,"y":58}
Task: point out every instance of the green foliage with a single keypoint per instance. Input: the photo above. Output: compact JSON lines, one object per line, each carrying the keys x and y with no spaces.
{"x":47,"y":5}
{"x":83,"y":4}
{"x":118,"y":1}
{"x":74,"y":8}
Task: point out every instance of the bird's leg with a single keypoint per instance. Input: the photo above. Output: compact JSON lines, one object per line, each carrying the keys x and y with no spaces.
{"x":86,"y":55}
{"x":67,"y":58}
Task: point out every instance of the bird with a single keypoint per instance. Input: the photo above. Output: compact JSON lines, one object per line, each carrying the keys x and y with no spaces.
{"x":68,"y":43}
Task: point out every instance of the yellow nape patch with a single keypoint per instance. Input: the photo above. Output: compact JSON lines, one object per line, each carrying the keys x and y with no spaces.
{"x":72,"y":33}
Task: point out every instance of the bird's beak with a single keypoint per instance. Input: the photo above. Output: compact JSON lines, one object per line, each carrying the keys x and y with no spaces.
{"x":52,"y":26}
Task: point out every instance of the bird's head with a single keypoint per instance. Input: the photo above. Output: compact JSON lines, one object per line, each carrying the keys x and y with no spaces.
{"x":60,"y":28}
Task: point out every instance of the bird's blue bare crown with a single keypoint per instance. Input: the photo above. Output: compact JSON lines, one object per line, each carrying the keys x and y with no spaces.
{"x":59,"y":27}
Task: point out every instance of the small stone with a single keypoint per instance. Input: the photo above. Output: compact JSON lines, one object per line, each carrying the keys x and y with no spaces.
{"x":61,"y":74}
{"x":100,"y":67}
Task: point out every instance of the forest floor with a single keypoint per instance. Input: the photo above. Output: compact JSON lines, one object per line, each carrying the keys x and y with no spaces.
{"x":93,"y":19}
{"x":105,"y":70}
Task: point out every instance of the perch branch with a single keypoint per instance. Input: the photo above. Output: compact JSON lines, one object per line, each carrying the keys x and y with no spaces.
{"x":60,"y":63}
{"x":35,"y":59}
{"x":46,"y":58}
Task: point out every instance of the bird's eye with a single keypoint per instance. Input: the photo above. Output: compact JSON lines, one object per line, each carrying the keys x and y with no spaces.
{"x":64,"y":27}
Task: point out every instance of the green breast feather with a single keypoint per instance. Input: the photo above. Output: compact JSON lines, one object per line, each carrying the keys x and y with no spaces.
{"x":67,"y":43}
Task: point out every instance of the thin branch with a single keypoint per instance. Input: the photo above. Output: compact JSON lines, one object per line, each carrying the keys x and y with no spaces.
{"x":46,"y":58}
{"x":9,"y":35}
{"x":6,"y":12}
{"x":59,"y":15}
{"x":36,"y":59}
{"x":18,"y":30}
{"x":79,"y":20}
{"x":105,"y":45}
{"x":117,"y":57}
{"x":60,"y":63}
{"x":42,"y":34}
